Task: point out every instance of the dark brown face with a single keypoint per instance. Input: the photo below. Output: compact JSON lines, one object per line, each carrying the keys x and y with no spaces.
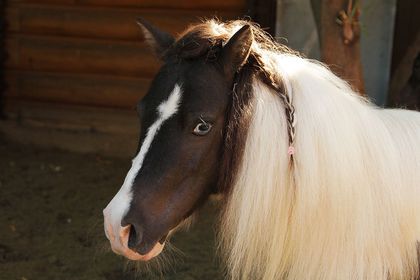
{"x":176,"y":166}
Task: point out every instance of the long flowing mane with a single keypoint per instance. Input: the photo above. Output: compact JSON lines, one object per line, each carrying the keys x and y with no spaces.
{"x":347,"y":206}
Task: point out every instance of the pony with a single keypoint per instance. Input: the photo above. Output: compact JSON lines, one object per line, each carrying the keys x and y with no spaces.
{"x":317,"y":182}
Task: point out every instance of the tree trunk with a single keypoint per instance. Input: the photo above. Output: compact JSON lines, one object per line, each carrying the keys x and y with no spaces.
{"x":338,"y":30}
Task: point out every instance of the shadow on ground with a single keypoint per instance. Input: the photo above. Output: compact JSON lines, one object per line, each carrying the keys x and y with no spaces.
{"x":51,"y":220}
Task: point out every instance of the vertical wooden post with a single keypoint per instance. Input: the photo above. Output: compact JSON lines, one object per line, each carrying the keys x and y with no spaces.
{"x":338,"y":29}
{"x":263,"y":12}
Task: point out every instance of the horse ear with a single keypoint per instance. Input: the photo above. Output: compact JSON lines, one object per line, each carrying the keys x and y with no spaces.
{"x":157,"y":39}
{"x":236,"y":51}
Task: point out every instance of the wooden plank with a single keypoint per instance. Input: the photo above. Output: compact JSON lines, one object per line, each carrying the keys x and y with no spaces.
{"x":100,"y":22}
{"x":11,"y":83}
{"x":107,"y":91}
{"x":179,"y":4}
{"x":73,"y":117}
{"x":76,"y":55}
{"x":110,"y":144}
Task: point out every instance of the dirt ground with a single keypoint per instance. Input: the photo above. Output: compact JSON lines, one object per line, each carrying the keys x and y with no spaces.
{"x":51,"y":220}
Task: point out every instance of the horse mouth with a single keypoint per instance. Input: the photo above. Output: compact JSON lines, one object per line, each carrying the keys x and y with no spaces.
{"x":120,"y":245}
{"x":142,"y":248}
{"x":135,"y":256}
{"x":144,"y":253}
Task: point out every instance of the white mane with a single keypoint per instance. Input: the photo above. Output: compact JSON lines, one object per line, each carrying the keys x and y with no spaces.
{"x":348,"y":208}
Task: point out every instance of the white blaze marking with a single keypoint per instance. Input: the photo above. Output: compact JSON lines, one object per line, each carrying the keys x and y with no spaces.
{"x":119,"y":205}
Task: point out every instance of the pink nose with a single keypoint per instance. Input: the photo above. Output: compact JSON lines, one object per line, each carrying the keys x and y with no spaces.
{"x":122,"y":245}
{"x":124,"y":235}
{"x":135,"y":240}
{"x":132,"y":237}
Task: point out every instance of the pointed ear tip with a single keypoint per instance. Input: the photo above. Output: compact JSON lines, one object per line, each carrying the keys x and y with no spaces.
{"x":143,"y":23}
{"x":246,"y":30}
{"x":140,"y":21}
{"x":246,"y":26}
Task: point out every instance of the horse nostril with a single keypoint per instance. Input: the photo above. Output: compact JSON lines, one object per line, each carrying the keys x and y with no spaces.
{"x":136,"y":242}
{"x":135,"y":237}
{"x":132,"y":238}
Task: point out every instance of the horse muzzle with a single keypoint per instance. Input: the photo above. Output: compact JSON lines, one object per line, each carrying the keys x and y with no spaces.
{"x":127,"y":241}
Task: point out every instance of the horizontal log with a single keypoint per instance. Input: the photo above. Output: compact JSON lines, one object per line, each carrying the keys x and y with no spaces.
{"x":115,"y":144}
{"x":95,"y":90}
{"x":43,"y":53}
{"x":179,"y":4}
{"x":95,"y":22}
{"x":73,"y":117}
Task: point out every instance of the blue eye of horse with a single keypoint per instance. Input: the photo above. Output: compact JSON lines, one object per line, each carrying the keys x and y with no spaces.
{"x":202,"y":128}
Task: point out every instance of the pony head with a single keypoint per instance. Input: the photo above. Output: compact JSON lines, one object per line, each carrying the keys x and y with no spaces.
{"x":183,"y":119}
{"x":341,"y":202}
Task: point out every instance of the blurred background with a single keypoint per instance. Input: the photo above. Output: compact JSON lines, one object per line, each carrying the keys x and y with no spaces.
{"x":71,"y":74}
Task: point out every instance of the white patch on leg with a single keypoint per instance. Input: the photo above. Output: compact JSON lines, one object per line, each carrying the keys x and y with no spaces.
{"x":120,"y":204}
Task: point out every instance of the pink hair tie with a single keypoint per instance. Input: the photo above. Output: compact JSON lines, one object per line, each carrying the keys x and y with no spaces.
{"x":291,"y":150}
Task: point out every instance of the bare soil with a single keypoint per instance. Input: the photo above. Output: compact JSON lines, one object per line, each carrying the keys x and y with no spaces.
{"x":51,"y":220}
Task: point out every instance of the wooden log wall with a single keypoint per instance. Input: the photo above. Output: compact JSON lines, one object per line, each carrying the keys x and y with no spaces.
{"x":91,"y":52}
{"x":2,"y":58}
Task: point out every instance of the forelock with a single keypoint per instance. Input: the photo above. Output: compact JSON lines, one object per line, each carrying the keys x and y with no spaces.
{"x":207,"y":38}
